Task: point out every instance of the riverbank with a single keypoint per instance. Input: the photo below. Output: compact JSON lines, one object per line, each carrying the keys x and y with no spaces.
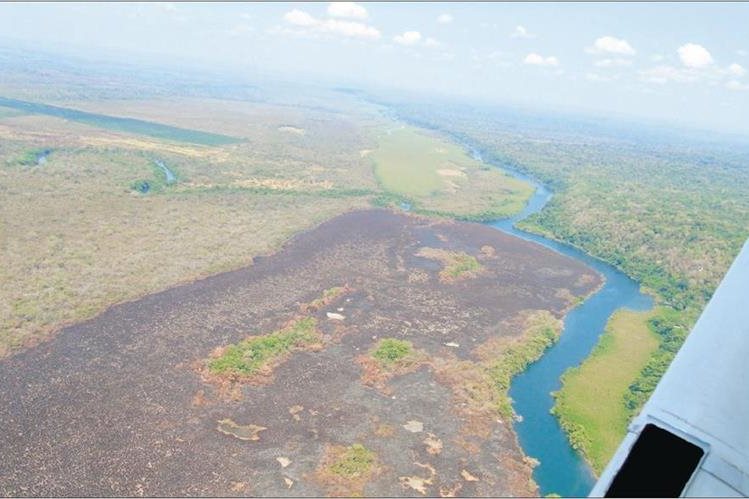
{"x":649,"y":206}
{"x":561,"y":469}
{"x":591,"y":404}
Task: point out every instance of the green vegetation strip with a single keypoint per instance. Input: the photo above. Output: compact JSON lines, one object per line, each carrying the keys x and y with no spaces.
{"x":542,"y":331}
{"x":248,"y":356}
{"x":591,"y":404}
{"x":129,"y":125}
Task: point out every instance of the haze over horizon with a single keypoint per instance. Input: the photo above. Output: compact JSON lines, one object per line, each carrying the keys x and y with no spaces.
{"x":626,"y":59}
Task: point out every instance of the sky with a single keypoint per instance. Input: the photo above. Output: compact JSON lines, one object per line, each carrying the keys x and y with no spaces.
{"x":683,"y":63}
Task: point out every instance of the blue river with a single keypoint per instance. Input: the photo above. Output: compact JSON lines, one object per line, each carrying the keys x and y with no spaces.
{"x":561,"y":469}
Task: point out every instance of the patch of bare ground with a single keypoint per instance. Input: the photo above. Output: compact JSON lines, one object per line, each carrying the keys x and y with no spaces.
{"x":242,"y":432}
{"x":114,"y":406}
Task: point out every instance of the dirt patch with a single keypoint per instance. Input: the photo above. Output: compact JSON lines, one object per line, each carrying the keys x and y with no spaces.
{"x":242,"y":432}
{"x":114,"y":407}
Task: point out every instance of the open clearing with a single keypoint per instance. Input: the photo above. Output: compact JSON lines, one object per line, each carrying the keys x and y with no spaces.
{"x":117,"y":405}
{"x":439,"y":177}
{"x":591,"y":403}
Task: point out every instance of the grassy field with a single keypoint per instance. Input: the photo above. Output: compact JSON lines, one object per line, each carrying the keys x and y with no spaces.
{"x":435,"y":176}
{"x":591,"y":405}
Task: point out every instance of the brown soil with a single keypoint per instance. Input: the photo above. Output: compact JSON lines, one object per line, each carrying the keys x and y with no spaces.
{"x":113,"y":406}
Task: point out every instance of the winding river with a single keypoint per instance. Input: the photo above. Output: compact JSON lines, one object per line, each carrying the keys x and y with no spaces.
{"x":561,"y":469}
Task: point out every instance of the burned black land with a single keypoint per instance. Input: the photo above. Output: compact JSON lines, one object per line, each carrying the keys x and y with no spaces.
{"x":202,"y":389}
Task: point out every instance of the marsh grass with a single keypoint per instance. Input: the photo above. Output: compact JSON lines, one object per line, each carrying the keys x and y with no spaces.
{"x":439,"y":178}
{"x":591,"y":403}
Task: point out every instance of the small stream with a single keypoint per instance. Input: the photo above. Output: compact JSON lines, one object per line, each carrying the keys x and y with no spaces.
{"x":561,"y":469}
{"x":170,"y":176}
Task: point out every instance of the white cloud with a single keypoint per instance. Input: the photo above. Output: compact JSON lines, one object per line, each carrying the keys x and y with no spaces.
{"x":539,"y":60}
{"x":737,"y":85}
{"x":521,"y":32}
{"x":694,"y":56}
{"x":432,"y":43}
{"x":300,"y":18}
{"x":415,"y":38}
{"x":711,"y":75}
{"x":610,"y":45}
{"x":349,"y":10}
{"x":351,"y":29}
{"x":444,"y":19}
{"x":612,"y":63}
{"x":737,"y":70}
{"x":408,"y":38}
